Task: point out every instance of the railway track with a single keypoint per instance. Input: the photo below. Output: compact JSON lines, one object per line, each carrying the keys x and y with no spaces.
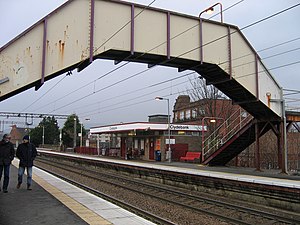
{"x":232,"y":213}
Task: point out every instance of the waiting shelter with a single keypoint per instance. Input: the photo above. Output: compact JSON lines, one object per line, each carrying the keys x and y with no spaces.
{"x":149,"y":141}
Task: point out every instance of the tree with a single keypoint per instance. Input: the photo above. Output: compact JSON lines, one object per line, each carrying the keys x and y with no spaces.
{"x":207,"y":95}
{"x":68,"y":131}
{"x":51,"y":132}
{"x":212,"y":103}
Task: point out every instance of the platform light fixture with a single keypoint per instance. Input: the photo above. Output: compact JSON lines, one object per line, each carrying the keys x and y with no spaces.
{"x":210,"y":10}
{"x":211,"y":120}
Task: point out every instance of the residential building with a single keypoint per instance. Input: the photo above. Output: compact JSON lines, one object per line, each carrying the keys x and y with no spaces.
{"x":17,"y":134}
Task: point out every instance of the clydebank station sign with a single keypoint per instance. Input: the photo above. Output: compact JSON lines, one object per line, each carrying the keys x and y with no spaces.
{"x":124,"y":127}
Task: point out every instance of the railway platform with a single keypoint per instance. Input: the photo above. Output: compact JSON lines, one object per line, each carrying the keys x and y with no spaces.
{"x":54,"y":201}
{"x":248,"y":175}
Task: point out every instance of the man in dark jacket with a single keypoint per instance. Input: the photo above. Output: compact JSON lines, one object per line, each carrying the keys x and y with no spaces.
{"x":7,"y":154}
{"x":26,"y":152}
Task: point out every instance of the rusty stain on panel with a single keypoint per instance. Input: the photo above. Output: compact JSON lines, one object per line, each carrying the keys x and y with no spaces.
{"x":62,"y":49}
{"x":61,"y":52}
{"x":65,"y":35}
{"x":28,"y":50}
{"x":48,"y":46}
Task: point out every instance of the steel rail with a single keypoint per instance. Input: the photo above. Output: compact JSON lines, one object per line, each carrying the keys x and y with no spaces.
{"x":183,"y":195}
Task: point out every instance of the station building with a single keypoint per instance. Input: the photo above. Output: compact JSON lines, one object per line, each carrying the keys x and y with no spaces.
{"x":149,"y":140}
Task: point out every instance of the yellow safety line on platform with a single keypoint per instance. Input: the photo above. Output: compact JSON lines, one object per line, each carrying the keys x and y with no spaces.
{"x":83,"y":212}
{"x":86,"y":214}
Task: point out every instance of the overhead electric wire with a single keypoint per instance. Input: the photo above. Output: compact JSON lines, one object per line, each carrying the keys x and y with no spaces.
{"x":133,"y":104}
{"x":120,"y":29}
{"x":44,"y":94}
{"x":195,"y":72}
{"x":280,"y":44}
{"x":109,"y":72}
{"x":239,"y":77}
{"x":128,"y":56}
{"x":268,"y":57}
{"x":138,"y":97}
{"x":294,"y":92}
{"x":136,"y":74}
{"x":205,"y":44}
{"x":274,"y":68}
{"x":219,"y":64}
{"x":226,"y":9}
{"x":140,"y":89}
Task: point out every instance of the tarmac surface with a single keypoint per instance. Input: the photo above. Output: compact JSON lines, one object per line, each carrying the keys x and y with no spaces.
{"x":35,"y":207}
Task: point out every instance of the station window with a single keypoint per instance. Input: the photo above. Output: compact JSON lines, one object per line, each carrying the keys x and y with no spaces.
{"x":194,"y":114}
{"x":201,"y":111}
{"x":195,"y":134}
{"x":176,"y":117}
{"x":188,"y":114}
{"x":181,"y":116}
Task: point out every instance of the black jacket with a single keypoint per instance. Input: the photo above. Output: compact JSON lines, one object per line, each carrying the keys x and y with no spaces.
{"x":26,"y":152}
{"x":7,"y":152}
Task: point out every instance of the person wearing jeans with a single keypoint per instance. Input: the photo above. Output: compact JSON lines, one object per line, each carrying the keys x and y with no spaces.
{"x":7,"y":154}
{"x":26,"y":152}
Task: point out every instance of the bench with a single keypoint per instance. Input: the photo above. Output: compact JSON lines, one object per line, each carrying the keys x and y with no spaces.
{"x":191,"y":156}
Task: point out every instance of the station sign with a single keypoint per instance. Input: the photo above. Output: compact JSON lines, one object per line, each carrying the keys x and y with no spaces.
{"x":170,"y":141}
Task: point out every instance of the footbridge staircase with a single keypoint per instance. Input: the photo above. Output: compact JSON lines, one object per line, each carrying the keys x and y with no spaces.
{"x":81,"y":31}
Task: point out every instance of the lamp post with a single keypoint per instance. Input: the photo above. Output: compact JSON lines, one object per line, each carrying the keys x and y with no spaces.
{"x":43,"y":136}
{"x":60,"y":137}
{"x":81,"y":135}
{"x":211,"y":9}
{"x":212,"y":120}
{"x":81,"y":124}
{"x":74,"y":138}
{"x":169,"y":154}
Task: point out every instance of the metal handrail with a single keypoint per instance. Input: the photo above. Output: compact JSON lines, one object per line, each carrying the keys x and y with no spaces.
{"x":225,"y":131}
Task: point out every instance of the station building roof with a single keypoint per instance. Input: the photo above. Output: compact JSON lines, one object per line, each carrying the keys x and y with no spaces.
{"x":145,"y":126}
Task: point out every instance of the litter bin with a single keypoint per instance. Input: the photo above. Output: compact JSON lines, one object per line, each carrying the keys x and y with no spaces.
{"x":157,"y":155}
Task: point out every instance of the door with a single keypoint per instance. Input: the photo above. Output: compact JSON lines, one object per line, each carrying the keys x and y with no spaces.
{"x":151,"y":149}
{"x":123,"y":147}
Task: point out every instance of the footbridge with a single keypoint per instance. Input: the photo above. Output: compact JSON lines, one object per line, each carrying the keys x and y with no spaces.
{"x":81,"y":31}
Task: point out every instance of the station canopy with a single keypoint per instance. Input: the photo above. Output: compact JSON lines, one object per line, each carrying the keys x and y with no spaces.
{"x":145,"y":126}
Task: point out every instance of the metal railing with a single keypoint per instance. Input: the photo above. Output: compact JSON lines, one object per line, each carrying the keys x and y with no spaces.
{"x":225,"y":131}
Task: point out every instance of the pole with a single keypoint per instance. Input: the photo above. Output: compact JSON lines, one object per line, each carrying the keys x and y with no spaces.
{"x":284,"y":151}
{"x":169,"y":132}
{"x":81,"y":135}
{"x":60,"y":137}
{"x":98,"y":144}
{"x":43,"y":137}
{"x":74,"y":138}
{"x":202,"y":137}
{"x":285,"y":156}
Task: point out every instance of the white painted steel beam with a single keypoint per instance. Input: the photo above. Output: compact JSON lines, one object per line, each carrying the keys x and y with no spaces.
{"x":82,"y":30}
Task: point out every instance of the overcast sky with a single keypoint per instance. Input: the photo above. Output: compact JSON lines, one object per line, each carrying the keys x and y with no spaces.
{"x":117,"y":104}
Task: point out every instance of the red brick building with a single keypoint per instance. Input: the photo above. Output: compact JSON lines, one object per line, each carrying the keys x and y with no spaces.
{"x":17,"y":134}
{"x":186,"y":111}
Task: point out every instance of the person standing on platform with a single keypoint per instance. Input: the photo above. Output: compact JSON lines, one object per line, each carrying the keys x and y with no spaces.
{"x":26,"y":152}
{"x":7,"y":154}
